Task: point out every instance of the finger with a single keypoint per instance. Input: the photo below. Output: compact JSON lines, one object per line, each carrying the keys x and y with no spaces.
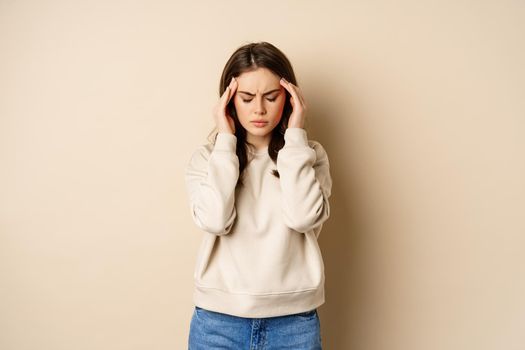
{"x":222,"y":100}
{"x":291,"y":88}
{"x":233,"y":88}
{"x":228,"y":93}
{"x":299,"y":93}
{"x":286,"y":85}
{"x":226,"y":90}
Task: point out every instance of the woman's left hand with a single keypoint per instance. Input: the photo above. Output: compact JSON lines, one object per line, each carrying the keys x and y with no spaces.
{"x":299,"y":107}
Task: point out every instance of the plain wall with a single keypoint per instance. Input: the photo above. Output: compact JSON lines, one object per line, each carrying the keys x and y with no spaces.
{"x":419,"y":104}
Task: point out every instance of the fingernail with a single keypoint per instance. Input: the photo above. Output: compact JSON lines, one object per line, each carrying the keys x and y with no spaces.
{"x":284,"y":80}
{"x":231,"y":81}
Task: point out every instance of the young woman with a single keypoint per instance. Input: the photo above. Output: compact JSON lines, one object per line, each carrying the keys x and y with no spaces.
{"x":259,"y":190}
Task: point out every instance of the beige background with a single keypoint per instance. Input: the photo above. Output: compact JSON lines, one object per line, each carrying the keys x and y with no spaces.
{"x":420,"y":105}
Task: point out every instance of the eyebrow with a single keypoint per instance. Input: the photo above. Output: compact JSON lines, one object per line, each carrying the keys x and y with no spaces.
{"x":266,"y":93}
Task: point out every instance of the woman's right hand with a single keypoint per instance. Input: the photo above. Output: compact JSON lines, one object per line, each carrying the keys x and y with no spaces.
{"x":223,"y":120}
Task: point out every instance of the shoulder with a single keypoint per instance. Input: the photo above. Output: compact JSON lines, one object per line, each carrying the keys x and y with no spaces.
{"x":200,"y":155}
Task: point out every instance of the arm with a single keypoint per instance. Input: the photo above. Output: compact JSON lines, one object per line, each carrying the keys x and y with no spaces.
{"x":305,"y":180}
{"x":210,"y":182}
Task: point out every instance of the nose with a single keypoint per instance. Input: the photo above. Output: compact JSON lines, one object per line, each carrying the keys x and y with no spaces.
{"x":259,"y":108}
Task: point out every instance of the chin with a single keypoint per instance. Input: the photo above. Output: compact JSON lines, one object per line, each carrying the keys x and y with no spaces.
{"x":259,"y":132}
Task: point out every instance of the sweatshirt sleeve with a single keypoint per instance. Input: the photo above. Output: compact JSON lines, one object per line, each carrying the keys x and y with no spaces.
{"x":305,"y":181}
{"x":211,"y":178}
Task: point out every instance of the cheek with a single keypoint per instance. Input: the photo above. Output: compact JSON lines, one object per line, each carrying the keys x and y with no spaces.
{"x":281,"y":101}
{"x":240,"y":107}
{"x":237,"y":104}
{"x":278,"y":107}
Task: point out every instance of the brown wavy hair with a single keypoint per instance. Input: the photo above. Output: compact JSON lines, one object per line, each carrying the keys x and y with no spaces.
{"x":248,"y":58}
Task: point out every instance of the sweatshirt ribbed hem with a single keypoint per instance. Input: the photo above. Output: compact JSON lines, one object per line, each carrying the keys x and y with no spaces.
{"x":295,"y":137}
{"x":258,"y":306}
{"x":225,"y":142}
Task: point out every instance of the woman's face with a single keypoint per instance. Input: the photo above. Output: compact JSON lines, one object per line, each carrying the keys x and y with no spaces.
{"x":259,"y":97}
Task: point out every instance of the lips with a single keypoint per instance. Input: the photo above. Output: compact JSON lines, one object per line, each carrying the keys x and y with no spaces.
{"x":259,"y":123}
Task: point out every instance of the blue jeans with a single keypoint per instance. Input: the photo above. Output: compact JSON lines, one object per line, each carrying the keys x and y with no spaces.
{"x":211,"y":330}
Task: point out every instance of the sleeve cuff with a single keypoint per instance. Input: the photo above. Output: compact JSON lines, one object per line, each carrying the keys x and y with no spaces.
{"x":295,"y":137}
{"x":225,"y":142}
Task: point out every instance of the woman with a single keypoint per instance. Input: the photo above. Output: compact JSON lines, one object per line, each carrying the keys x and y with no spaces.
{"x":259,"y":191}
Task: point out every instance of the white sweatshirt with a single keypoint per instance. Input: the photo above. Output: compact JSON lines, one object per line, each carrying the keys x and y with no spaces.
{"x":259,"y":256}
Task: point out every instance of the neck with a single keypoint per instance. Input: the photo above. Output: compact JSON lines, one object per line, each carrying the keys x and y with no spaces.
{"x":260,"y":142}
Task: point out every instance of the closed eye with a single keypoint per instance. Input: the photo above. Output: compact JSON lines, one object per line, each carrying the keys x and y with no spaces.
{"x":269,"y":99}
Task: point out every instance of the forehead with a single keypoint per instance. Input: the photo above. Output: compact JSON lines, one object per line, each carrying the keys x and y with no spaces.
{"x":259,"y":80}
